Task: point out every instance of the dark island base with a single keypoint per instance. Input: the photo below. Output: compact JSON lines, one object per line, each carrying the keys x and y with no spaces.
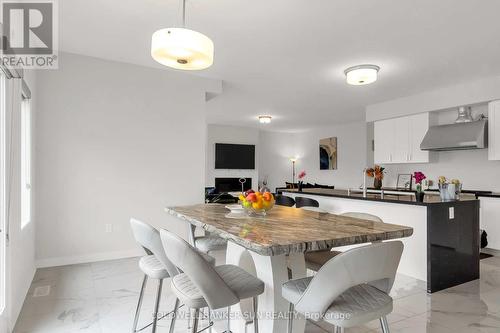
{"x":452,"y":245}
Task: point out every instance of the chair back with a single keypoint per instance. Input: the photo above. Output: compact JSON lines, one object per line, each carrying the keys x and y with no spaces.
{"x":363,"y":216}
{"x":377,"y":262}
{"x":283,"y":200}
{"x":149,"y":238}
{"x":305,"y":202}
{"x":216,"y":292}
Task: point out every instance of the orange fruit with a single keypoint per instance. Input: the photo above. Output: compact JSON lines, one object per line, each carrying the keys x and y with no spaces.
{"x":258,"y":205}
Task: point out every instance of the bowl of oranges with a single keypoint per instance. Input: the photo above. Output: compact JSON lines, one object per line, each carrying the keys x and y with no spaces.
{"x":257,"y":203}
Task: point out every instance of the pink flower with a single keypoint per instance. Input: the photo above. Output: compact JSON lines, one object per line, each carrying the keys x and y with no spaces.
{"x":419,"y":177}
{"x":301,"y":175}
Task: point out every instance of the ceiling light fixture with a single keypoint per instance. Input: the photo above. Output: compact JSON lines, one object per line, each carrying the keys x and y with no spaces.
{"x":265,"y":119}
{"x":182,"y":48}
{"x":362,"y":74}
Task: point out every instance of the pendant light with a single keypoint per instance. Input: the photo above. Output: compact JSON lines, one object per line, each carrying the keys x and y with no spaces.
{"x":182,"y":48}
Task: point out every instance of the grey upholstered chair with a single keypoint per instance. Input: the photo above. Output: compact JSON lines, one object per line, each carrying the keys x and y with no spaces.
{"x":314,"y":209}
{"x":207,"y":243}
{"x":363,"y":216}
{"x":154,"y":265}
{"x":316,"y":259}
{"x":204,"y":286}
{"x":349,"y":290}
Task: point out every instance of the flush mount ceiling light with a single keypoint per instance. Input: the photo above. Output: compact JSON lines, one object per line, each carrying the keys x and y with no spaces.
{"x":182,"y":48}
{"x":362,"y":74}
{"x":265,"y":119}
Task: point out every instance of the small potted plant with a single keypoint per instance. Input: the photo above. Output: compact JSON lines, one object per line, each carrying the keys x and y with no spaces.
{"x":301,"y":177}
{"x":377,"y":173}
{"x":419,"y":178}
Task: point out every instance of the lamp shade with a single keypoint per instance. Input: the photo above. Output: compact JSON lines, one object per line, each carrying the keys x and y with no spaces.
{"x":182,"y":49}
{"x":362,"y":74}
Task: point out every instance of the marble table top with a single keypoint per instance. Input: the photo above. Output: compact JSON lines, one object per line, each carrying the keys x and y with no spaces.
{"x":288,"y":230}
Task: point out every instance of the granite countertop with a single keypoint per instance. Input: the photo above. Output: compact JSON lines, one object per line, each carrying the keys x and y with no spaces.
{"x":288,"y":230}
{"x":489,"y":195}
{"x":429,"y":199}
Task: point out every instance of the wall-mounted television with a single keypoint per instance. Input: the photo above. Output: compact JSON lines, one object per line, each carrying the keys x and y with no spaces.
{"x":233,"y":156}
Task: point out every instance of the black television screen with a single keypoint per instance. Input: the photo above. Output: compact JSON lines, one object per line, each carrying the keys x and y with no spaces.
{"x":231,"y":156}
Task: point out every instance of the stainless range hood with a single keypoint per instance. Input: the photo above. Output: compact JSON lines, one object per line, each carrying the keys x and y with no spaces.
{"x":458,"y":136}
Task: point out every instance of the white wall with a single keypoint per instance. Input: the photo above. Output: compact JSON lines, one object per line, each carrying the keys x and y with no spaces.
{"x":277,"y":148}
{"x":473,"y":92}
{"x":113,"y":141}
{"x":470,"y":166}
{"x":234,"y":135}
{"x":20,"y":254}
{"x":274,"y":159}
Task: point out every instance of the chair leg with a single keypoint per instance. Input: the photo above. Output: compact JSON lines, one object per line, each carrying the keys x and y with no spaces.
{"x":139,"y":303}
{"x":384,"y":324}
{"x":228,"y":323}
{"x":291,"y":310}
{"x":174,"y":316}
{"x":256,"y":314}
{"x":210,"y":323}
{"x":157,"y":306}
{"x":194,"y":328}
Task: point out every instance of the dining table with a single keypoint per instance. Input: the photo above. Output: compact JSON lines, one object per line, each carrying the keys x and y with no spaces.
{"x":272,"y":248}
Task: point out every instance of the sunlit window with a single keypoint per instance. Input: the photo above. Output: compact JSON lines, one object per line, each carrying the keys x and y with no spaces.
{"x":25,"y":162}
{"x":3,"y":178}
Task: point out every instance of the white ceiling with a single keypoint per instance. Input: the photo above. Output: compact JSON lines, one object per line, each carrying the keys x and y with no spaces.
{"x":286,"y":57}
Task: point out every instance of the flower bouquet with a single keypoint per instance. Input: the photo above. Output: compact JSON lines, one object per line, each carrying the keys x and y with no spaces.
{"x":377,"y":173}
{"x":419,"y":178}
{"x":301,"y":177}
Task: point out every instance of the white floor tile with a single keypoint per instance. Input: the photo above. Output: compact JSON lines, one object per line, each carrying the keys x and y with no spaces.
{"x":102,"y":297}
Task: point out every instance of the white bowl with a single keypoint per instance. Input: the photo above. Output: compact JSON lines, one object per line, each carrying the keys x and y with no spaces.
{"x":235,"y":208}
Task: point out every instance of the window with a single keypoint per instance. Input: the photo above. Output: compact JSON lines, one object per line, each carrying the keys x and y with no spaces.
{"x":25,"y":162}
{"x":3,"y":188}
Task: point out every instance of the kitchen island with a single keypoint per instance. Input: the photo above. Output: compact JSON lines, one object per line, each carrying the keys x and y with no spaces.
{"x":444,"y":248}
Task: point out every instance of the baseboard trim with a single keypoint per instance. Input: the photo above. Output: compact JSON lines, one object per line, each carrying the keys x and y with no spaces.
{"x":86,"y":258}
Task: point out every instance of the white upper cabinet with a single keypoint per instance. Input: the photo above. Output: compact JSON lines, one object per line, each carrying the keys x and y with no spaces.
{"x":398,"y":140}
{"x":383,"y":141}
{"x":494,"y":131}
{"x":419,"y":125}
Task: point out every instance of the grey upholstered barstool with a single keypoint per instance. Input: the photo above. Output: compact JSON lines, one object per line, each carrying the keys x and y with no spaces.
{"x":207,"y":243}
{"x":154,"y":265}
{"x":316,"y":259}
{"x":204,"y":286}
{"x":349,"y":290}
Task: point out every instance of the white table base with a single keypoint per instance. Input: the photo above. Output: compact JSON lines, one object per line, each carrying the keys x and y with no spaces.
{"x":272,"y":308}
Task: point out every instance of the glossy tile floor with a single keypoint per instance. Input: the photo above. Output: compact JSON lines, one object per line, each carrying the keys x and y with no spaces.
{"x":101,"y":298}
